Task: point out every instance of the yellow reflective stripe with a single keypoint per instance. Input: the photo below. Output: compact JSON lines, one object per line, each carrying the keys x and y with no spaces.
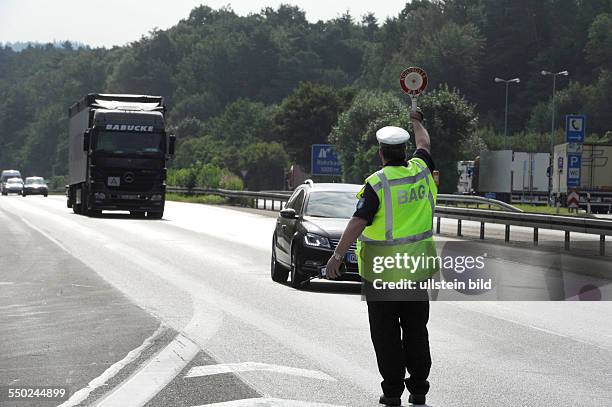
{"x":425,"y":170}
{"x":402,"y":240}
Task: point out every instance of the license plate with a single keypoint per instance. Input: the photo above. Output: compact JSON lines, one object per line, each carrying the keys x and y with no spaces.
{"x":129,"y":196}
{"x":351,"y":257}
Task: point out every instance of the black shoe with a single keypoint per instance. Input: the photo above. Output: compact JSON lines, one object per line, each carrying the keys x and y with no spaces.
{"x":418,"y":399}
{"x":390,"y":401}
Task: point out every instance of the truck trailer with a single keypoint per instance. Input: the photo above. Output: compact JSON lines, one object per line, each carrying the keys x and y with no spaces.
{"x":118,"y":152}
{"x":512,"y":176}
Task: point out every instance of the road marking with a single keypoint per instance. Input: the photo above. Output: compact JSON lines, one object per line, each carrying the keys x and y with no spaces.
{"x":108,"y":374}
{"x":150,"y":379}
{"x":209,"y":370}
{"x":268,"y":402}
{"x":7,"y":282}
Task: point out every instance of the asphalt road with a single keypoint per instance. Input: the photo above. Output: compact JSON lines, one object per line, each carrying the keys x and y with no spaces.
{"x":203,"y":272}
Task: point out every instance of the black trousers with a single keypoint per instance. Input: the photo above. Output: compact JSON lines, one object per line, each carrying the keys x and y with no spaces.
{"x":401,"y":342}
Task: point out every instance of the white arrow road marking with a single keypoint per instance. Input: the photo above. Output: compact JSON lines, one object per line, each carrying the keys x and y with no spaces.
{"x":208,"y":370}
{"x":101,"y":380}
{"x":268,"y":402}
{"x":143,"y":385}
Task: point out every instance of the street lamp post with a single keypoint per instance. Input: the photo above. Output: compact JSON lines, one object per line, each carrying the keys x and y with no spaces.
{"x":507,"y":82}
{"x":552,"y":126}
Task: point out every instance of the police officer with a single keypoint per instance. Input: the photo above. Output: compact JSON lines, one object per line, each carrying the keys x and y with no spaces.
{"x":395,"y":213}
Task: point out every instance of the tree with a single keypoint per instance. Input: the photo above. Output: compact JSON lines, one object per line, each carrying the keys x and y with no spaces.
{"x":306,"y":117}
{"x":450,"y":120}
{"x":264,"y":165}
{"x":599,"y":46}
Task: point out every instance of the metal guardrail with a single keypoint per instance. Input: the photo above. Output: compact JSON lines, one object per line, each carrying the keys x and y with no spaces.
{"x":478,"y":200}
{"x":510,"y":216}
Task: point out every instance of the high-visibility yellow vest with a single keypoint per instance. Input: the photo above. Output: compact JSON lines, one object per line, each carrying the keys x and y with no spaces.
{"x":403,"y":224}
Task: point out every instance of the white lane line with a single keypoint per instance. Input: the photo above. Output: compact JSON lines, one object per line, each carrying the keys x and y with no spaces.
{"x":143,"y":385}
{"x":108,"y":374}
{"x":268,"y":402}
{"x":208,"y":370}
{"x":7,"y":282}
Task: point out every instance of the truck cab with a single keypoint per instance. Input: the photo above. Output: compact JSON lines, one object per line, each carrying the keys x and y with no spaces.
{"x":118,"y":156}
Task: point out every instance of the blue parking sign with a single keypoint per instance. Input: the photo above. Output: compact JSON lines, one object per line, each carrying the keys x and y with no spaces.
{"x":574,"y":164}
{"x":325,"y":160}
{"x":575,"y":126}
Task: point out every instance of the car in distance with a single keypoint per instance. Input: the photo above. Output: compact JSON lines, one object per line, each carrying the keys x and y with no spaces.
{"x":6,"y":175}
{"x":308,"y":230}
{"x":13,"y":186}
{"x":35,"y":186}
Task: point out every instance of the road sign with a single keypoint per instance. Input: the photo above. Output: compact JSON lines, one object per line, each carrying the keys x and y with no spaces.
{"x":575,"y":126}
{"x":575,"y":148}
{"x":573,"y":199}
{"x":560,"y":163}
{"x":325,"y":160}
{"x":574,"y":163}
{"x":413,"y":81}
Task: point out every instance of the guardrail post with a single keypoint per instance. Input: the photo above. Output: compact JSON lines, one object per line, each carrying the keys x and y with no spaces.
{"x":482,"y":230}
{"x":535,"y":236}
{"x":602,"y":245}
{"x":507,"y":234}
{"x":265,"y":203}
{"x":567,"y":240}
{"x":458,"y":227}
{"x":438,"y":225}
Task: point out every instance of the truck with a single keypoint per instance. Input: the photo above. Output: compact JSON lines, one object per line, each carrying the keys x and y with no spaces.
{"x":118,"y":152}
{"x":5,"y":176}
{"x":512,"y":176}
{"x":591,"y":175}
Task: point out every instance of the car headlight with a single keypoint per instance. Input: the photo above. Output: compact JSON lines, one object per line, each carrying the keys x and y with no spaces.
{"x":313,"y":240}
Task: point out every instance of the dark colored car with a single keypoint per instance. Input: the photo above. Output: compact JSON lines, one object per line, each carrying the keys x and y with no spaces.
{"x":35,"y":186}
{"x":308,"y":230}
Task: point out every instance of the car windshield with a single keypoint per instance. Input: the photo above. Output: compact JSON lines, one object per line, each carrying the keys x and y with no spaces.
{"x":124,"y":142}
{"x":34,"y":181}
{"x":331,"y":204}
{"x":14,"y":181}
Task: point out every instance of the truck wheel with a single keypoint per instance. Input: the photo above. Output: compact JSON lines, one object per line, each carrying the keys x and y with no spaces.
{"x":155,"y":215}
{"x":23,"y":194}
{"x":279,"y":273}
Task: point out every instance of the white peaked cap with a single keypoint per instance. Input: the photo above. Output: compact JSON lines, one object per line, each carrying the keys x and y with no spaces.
{"x":392,"y":135}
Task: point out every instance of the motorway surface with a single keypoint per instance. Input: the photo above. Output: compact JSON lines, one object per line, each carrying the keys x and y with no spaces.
{"x":182,"y":312}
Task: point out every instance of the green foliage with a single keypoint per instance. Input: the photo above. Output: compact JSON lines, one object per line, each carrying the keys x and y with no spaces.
{"x":265,"y":165}
{"x":231,"y":82}
{"x":204,"y":176}
{"x":306,"y":117}
{"x":450,"y":120}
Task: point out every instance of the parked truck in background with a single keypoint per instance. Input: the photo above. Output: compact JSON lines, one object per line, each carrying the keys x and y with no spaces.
{"x":118,"y":152}
{"x":595,"y":189}
{"x":511,"y":176}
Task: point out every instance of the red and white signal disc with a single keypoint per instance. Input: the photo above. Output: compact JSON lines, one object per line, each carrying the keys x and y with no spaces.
{"x":413,"y":81}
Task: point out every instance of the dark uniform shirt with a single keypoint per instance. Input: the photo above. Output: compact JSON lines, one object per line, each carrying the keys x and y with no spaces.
{"x":369,"y":202}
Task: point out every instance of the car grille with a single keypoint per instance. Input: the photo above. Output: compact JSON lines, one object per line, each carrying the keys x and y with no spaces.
{"x":334,"y":243}
{"x":142,"y":180}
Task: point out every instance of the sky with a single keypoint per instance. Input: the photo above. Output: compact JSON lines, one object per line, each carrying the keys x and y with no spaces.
{"x":117,"y":22}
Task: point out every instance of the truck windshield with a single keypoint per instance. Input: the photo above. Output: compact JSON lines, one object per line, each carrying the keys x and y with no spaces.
{"x":129,"y":143}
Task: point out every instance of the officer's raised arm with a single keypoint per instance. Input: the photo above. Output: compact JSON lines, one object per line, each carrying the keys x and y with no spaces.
{"x":421,"y":136}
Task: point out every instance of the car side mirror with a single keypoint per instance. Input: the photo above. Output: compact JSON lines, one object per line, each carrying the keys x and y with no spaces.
{"x":171,"y":144}
{"x":288,"y":213}
{"x":86,"y":140}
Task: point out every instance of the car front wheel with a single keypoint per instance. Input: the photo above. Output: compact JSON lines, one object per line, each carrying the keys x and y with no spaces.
{"x":298,"y":280}
{"x":279,"y":273}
